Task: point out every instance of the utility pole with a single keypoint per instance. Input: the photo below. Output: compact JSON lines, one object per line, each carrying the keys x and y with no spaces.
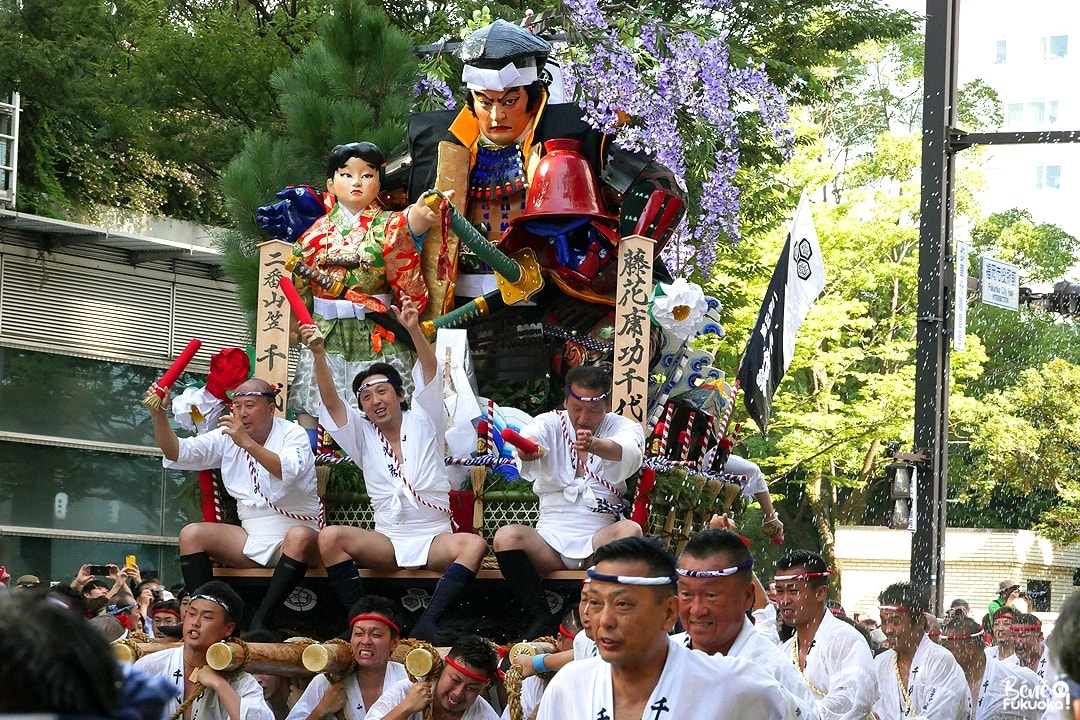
{"x":936,"y":279}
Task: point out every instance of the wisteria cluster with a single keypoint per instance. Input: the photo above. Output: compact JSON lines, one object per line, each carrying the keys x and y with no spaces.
{"x":672,"y":89}
{"x":431,"y":93}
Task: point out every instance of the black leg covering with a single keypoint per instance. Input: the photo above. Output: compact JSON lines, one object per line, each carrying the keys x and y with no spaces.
{"x":287,"y":575}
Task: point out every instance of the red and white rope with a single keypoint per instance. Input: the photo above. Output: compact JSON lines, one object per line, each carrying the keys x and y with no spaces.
{"x":393,"y":464}
{"x":589,"y":473}
{"x":320,"y":518}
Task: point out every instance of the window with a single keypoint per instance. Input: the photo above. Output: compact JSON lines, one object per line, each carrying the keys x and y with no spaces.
{"x":1036,"y":112}
{"x":1014,"y":114}
{"x":1033,"y":112}
{"x":1054,"y":47}
{"x":1048,"y":177}
{"x":999,"y":52}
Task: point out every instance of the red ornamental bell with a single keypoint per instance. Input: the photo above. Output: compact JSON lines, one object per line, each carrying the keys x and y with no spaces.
{"x":564,"y":185}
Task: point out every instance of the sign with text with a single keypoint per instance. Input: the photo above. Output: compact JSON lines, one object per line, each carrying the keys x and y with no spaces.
{"x":272,"y":319}
{"x":630,"y":383}
{"x":999,"y":283}
{"x":959,"y":339}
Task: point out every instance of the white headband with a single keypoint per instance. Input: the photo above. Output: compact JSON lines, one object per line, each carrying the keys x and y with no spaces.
{"x":509,"y":76}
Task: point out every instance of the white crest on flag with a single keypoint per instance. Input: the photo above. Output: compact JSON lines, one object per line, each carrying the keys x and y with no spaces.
{"x":806,"y":275}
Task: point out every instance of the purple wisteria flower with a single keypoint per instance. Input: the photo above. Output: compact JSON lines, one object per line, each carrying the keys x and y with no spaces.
{"x":432,"y":93}
{"x":673,"y":90}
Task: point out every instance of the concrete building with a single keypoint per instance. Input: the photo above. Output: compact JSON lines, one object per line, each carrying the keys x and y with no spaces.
{"x":1030,"y":55}
{"x":89,"y":316}
{"x":871,"y":558}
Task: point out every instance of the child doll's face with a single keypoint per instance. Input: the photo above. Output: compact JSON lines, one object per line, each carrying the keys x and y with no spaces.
{"x":356,"y":185}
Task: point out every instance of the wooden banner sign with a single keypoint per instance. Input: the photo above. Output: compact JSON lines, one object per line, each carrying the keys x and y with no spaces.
{"x":273,"y":319}
{"x":630,"y":382}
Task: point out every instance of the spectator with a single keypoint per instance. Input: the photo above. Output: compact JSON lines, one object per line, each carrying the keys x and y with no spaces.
{"x":27,"y":582}
{"x":97,"y":606}
{"x":94,"y":588}
{"x":52,"y":662}
{"x":1008,"y":591}
{"x":959,"y":608}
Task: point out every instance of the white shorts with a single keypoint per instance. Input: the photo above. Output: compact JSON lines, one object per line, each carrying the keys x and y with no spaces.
{"x":266,"y":534}
{"x":412,"y":545}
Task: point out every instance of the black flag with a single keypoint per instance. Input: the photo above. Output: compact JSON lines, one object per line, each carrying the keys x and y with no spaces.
{"x":798,"y":279}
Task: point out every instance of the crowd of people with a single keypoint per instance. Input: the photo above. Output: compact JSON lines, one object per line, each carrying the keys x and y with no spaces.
{"x":653,"y":635}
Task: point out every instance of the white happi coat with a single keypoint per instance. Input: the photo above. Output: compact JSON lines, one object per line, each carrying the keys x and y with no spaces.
{"x":354,"y":701}
{"x":839,"y":670}
{"x":1004,"y":690}
{"x":569,"y":512}
{"x":692,"y":685}
{"x":393,"y":695}
{"x":169,"y":664}
{"x":754,"y":647}
{"x":584,"y":646}
{"x":410,"y":522}
{"x":936,"y":686}
{"x":295,"y":491}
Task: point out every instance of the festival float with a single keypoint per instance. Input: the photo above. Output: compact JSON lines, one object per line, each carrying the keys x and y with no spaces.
{"x":548,"y":255}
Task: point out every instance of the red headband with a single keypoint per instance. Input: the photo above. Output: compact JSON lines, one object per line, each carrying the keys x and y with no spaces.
{"x":972,"y":636}
{"x":380,"y":618}
{"x":466,"y":673}
{"x":802,"y":576}
{"x":564,"y":632}
{"x":165,"y":611}
{"x":1023,"y":628}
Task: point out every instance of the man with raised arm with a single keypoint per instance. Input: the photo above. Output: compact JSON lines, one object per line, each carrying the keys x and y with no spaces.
{"x":401,"y":453}
{"x":267,"y":466}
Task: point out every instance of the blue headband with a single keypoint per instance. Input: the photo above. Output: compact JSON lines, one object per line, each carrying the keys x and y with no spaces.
{"x":631,"y":579}
{"x":595,"y":398}
{"x":376,"y":381}
{"x":716,"y":573}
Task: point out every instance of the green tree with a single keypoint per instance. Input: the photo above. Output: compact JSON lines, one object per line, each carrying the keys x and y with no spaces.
{"x":140,"y":105}
{"x":355,"y":81}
